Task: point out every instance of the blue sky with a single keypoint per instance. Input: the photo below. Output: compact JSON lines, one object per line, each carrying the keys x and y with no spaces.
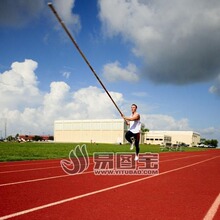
{"x":165,"y":57}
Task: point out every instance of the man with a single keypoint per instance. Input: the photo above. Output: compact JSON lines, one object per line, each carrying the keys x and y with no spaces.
{"x":133,"y":134}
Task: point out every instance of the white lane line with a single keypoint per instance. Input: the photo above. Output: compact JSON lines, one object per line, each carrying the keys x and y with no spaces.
{"x":180,"y":158}
{"x":99,"y":191}
{"x":54,"y":177}
{"x":213,"y":209}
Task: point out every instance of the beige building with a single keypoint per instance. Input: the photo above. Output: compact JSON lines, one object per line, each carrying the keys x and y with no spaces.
{"x":98,"y":131}
{"x":113,"y":131}
{"x":190,"y":138}
{"x":157,"y":139}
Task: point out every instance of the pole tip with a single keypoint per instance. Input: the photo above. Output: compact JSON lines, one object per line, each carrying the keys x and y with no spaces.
{"x":49,"y":3}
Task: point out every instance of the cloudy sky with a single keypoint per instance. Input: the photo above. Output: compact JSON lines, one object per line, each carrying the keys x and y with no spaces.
{"x":162,"y":55}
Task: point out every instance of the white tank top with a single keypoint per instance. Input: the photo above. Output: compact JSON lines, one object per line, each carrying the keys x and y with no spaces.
{"x":135,"y":126}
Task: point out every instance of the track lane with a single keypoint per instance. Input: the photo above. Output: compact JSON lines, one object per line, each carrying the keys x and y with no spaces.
{"x":75,"y":183}
{"x":144,"y":199}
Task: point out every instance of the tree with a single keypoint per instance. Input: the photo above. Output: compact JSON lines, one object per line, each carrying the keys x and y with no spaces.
{"x":10,"y":138}
{"x":37,"y":138}
{"x":212,"y":142}
{"x":51,"y":138}
{"x":16,"y":136}
{"x":143,"y":129}
{"x":202,"y":140}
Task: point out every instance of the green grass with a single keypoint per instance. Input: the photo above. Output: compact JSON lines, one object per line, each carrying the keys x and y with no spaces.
{"x":12,"y":151}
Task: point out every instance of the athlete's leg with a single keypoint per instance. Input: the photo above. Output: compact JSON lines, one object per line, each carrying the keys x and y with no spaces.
{"x":128,"y":136}
{"x":137,"y":139}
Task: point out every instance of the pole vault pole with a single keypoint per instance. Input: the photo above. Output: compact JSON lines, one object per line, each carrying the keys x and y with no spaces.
{"x":83,"y":56}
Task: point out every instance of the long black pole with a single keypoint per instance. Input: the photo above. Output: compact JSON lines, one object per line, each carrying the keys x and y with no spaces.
{"x":83,"y":56}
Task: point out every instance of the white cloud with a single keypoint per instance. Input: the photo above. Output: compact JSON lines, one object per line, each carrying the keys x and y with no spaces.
{"x":55,"y":101}
{"x":94,"y":103}
{"x":19,"y":85}
{"x":65,"y":12}
{"x":164,"y":122}
{"x":66,"y":74}
{"x":178,"y":40}
{"x":210,"y":133}
{"x":215,"y":89}
{"x":61,"y":103}
{"x":114,"y":72}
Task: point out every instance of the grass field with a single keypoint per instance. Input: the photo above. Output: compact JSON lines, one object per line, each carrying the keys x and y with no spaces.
{"x":13,"y":151}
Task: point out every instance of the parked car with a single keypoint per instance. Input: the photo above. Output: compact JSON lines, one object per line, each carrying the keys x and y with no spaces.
{"x":210,"y":146}
{"x":202,"y":145}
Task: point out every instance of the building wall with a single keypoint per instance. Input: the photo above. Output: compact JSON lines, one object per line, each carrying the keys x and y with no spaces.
{"x":188,"y":137}
{"x":157,"y":139}
{"x":113,"y":131}
{"x":99,"y":131}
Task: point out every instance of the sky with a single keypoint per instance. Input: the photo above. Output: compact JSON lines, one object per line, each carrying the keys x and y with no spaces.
{"x":163,"y":56}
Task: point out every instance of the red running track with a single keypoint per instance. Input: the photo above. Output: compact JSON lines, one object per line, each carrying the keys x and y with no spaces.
{"x":187,"y":187}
